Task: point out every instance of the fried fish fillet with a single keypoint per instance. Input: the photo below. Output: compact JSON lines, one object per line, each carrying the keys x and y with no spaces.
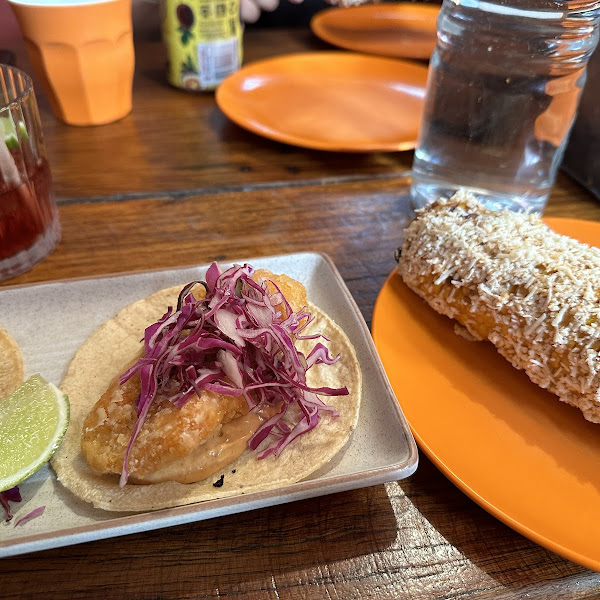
{"x":199,"y":429}
{"x":507,"y":278}
{"x":169,"y":433}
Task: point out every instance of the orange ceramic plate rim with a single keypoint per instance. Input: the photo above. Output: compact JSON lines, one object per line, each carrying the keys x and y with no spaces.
{"x":227,"y":98}
{"x":361,"y":24}
{"x":384,"y":327}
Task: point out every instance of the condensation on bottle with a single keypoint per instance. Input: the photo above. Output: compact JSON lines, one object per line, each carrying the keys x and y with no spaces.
{"x":502,"y":94}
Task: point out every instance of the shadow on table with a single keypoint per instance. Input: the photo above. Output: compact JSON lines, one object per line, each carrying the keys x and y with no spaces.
{"x":237,"y":555}
{"x":482,"y":539}
{"x":341,"y":163}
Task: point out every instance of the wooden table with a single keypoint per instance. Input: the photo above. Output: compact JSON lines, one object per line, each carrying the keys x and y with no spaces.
{"x":176,"y":183}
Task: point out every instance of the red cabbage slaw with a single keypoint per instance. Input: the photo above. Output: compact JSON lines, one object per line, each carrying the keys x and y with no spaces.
{"x":235,"y":342}
{"x":14,"y":495}
{"x":11,"y":495}
{"x":36,"y":512}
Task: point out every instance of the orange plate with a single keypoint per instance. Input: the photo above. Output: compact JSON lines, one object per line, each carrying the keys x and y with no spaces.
{"x":336,"y":101}
{"x":525,"y":457}
{"x":400,"y":30}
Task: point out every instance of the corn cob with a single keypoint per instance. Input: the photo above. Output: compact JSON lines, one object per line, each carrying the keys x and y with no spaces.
{"x":507,"y":278}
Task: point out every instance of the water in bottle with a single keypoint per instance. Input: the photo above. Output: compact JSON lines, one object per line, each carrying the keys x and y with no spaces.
{"x":503,"y":88}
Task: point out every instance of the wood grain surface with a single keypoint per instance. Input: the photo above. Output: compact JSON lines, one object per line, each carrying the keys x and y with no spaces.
{"x":175,"y":140}
{"x":176,"y":184}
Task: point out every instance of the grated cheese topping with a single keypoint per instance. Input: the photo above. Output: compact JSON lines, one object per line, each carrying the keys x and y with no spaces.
{"x":506,"y":277}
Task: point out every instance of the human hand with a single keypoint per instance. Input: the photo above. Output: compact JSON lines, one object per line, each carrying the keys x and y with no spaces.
{"x":250,"y":9}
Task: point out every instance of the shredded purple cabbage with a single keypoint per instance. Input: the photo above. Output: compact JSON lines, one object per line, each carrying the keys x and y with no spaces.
{"x":234,"y":342}
{"x":11,"y":495}
{"x":36,"y":512}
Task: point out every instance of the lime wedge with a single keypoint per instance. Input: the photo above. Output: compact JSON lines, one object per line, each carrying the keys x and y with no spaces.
{"x":33,"y":421}
{"x":9,"y":131}
{"x":23,"y":131}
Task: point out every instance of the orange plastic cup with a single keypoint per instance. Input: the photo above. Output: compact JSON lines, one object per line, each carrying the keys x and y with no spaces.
{"x":82,"y":53}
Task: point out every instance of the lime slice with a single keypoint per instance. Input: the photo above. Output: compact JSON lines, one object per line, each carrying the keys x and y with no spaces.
{"x":33,"y":421}
{"x":9,"y":131}
{"x":23,"y":131}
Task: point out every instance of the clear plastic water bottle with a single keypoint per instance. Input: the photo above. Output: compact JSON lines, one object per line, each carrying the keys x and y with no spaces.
{"x":503,"y":88}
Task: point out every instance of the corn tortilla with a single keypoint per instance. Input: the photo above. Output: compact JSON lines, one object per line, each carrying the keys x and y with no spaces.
{"x":113,"y":345}
{"x":12,"y":370}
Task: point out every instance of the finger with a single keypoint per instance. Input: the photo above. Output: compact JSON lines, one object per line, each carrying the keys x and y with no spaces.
{"x":249,"y":11}
{"x":268,"y":5}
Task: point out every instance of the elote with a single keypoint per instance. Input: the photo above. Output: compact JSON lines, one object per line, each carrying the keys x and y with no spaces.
{"x":507,"y":278}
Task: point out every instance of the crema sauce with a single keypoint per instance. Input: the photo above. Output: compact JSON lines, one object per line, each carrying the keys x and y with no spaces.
{"x":220,"y":448}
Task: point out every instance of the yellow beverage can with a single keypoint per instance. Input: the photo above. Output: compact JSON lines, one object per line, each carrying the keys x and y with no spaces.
{"x":203,"y":40}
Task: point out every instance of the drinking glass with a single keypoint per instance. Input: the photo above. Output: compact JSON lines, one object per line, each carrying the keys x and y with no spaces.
{"x":29,"y":224}
{"x":82,"y":53}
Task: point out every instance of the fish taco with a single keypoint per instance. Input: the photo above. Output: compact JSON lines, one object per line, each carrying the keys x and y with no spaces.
{"x":238,"y":384}
{"x":11,"y":365}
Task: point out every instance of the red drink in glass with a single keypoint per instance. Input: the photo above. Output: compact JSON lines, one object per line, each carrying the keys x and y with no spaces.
{"x":29,"y":225}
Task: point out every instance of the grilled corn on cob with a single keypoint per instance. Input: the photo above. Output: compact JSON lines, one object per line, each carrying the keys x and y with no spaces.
{"x":506,"y":277}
